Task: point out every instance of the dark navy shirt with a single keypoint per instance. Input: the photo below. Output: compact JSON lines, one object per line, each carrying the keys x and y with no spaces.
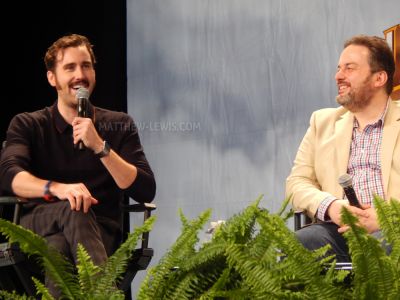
{"x":41,"y":143}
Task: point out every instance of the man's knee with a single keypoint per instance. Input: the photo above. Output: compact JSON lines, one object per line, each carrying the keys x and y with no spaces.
{"x":78,"y":217}
{"x":318,"y":235}
{"x":312,"y":237}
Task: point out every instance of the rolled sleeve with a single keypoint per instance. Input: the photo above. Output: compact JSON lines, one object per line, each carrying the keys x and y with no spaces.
{"x":323,"y":207}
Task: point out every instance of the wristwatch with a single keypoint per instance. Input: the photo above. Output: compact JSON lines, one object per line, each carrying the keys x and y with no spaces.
{"x":47,"y":195}
{"x":105,"y":151}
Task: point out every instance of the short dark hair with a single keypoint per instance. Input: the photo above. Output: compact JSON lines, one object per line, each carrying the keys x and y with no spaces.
{"x":71,"y":40}
{"x":380,"y":56}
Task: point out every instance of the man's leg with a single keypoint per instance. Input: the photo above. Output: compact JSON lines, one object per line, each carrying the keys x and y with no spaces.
{"x":316,"y":236}
{"x":111,"y":234}
{"x":51,"y":219}
{"x":384,"y":243}
{"x":59,"y":242}
{"x":64,"y":229}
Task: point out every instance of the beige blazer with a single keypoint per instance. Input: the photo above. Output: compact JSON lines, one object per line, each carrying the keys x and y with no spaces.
{"x":324,"y":152}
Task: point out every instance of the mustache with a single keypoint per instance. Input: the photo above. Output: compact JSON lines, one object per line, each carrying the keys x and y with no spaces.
{"x":80,"y":82}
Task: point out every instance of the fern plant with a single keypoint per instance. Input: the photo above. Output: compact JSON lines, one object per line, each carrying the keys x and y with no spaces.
{"x":255,"y":256}
{"x":252,"y":256}
{"x":90,"y":281}
{"x":376,"y":273}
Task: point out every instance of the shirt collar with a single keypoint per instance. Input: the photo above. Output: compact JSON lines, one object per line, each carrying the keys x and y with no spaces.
{"x":378,"y":122}
{"x":59,"y":121}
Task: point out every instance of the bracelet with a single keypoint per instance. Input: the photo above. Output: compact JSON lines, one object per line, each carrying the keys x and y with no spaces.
{"x":47,"y":195}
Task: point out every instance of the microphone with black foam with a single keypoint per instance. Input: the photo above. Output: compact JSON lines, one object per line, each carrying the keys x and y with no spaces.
{"x":346,"y":183}
{"x":83,"y":97}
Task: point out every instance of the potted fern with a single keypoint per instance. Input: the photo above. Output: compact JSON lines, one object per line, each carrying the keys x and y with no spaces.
{"x":255,"y":256}
{"x":89,"y":281}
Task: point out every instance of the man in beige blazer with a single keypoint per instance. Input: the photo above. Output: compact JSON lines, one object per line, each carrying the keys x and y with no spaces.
{"x":360,"y":138}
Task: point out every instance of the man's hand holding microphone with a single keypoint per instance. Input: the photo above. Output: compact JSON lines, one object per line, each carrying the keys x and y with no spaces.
{"x":365,"y":213}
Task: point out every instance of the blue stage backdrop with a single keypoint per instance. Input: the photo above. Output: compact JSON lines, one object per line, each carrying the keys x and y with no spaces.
{"x":222,"y":92}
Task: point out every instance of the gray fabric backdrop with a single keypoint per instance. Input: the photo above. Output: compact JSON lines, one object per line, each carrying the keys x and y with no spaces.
{"x":222,"y":92}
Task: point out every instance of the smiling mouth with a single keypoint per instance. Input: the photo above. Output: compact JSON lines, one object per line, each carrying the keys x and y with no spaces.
{"x":342,"y":89}
{"x":77,"y":86}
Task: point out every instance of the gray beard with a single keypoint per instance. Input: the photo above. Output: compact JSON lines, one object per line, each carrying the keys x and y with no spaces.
{"x":354,"y":103}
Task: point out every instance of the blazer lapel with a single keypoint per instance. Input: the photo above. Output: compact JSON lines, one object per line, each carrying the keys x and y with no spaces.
{"x":343,"y":134}
{"x":391,"y":129}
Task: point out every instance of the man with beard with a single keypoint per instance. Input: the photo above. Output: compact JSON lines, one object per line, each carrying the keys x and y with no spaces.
{"x":75,"y":193}
{"x":360,"y":138}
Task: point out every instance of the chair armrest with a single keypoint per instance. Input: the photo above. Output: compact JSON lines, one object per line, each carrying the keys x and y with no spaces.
{"x":146,"y":209}
{"x":297,"y":219}
{"x":301,"y":219}
{"x":12,"y":200}
{"x":17,"y":202}
{"x":139,"y":207}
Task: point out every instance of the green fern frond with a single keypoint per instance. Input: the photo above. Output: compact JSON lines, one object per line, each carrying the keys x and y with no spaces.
{"x":389,"y":221}
{"x":235,"y":294}
{"x":144,"y":290}
{"x":256,"y":203}
{"x":388,"y":217}
{"x":284,"y":239}
{"x":116,"y":264}
{"x":373,"y":269}
{"x":395,"y":205}
{"x":161,"y":277}
{"x":182,"y":217}
{"x":288,"y":215}
{"x":242,"y":261}
{"x":283,"y":208}
{"x":296,"y":257}
{"x":261,"y":248}
{"x":59,"y":269}
{"x":190,"y":286}
{"x":87,"y":270}
{"x":208,"y":253}
{"x":254,"y":276}
{"x":240,"y":227}
{"x":4,"y":295}
{"x":42,"y":290}
{"x":219,"y":284}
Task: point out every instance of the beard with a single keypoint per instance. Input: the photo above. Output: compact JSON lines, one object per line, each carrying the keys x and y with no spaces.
{"x":357,"y":98}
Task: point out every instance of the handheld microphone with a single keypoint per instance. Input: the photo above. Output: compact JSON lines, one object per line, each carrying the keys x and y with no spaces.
{"x":346,"y":183}
{"x":83,"y":97}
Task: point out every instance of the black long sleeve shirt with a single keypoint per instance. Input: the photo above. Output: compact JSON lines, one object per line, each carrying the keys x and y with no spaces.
{"x":41,"y":143}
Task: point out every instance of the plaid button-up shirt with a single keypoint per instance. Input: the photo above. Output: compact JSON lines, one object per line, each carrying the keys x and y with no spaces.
{"x":364,"y":165}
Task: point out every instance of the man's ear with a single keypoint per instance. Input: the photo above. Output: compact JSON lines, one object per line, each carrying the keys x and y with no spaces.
{"x":51,"y":78}
{"x":380,"y":79}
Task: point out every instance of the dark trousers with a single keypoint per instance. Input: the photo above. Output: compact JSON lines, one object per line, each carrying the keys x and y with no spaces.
{"x":315,"y":236}
{"x":318,"y":235}
{"x":64,"y":228}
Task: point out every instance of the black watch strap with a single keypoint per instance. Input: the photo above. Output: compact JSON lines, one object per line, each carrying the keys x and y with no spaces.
{"x":105,"y":151}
